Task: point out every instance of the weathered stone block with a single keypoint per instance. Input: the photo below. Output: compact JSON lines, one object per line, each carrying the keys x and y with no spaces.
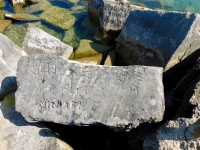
{"x":37,"y":41}
{"x":151,"y":37}
{"x":54,"y":89}
{"x":110,"y":16}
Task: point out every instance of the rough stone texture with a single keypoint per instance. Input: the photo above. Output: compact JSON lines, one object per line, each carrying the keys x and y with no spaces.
{"x":53,"y":89}
{"x":188,"y":90}
{"x":42,"y":5}
{"x":37,"y":41}
{"x":151,"y":37}
{"x":60,"y":17}
{"x":9,"y":56}
{"x":110,"y":15}
{"x":16,"y":33}
{"x":53,"y":31}
{"x":2,"y":3}
{"x":22,"y":16}
{"x":4,"y":24}
{"x":17,"y":134}
{"x":9,"y":52}
{"x":89,"y":48}
{"x":160,"y":38}
{"x":171,"y":135}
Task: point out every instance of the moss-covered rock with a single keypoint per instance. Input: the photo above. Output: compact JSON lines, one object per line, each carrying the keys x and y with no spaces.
{"x":42,"y":5}
{"x":16,"y":33}
{"x":71,"y":39}
{"x":95,"y":60}
{"x":1,"y":14}
{"x":4,"y":24}
{"x":59,"y":17}
{"x":86,"y":24}
{"x":88,"y":48}
{"x":2,"y":3}
{"x":49,"y":29}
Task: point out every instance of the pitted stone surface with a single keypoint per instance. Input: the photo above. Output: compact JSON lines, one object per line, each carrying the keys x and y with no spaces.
{"x":53,"y":89}
{"x":38,"y":41}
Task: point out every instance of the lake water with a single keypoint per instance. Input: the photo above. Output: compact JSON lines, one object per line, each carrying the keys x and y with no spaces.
{"x":178,"y":5}
{"x":78,"y":8}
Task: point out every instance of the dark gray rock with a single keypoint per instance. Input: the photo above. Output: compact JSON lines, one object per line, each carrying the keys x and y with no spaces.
{"x":38,"y":41}
{"x":8,"y":85}
{"x":151,"y":37}
{"x":187,"y":91}
{"x":110,"y":16}
{"x":160,"y":38}
{"x":54,"y":89}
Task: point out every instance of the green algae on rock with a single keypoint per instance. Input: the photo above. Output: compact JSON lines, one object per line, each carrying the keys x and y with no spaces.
{"x":2,"y":3}
{"x":89,"y":48}
{"x":59,"y":17}
{"x":22,"y":16}
{"x":16,"y":33}
{"x":42,"y":5}
{"x":1,"y":14}
{"x":4,"y":24}
{"x":58,"y":33}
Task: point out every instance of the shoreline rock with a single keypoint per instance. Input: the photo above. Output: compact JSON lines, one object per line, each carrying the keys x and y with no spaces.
{"x":79,"y":94}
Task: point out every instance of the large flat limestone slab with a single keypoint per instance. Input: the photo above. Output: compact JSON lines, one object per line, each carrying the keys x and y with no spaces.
{"x":53,"y":89}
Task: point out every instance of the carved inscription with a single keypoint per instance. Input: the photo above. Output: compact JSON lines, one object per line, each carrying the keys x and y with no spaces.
{"x":64,"y":91}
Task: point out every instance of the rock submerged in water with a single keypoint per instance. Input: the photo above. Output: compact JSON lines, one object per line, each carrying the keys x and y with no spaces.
{"x":22,"y":16}
{"x":67,"y":92}
{"x":37,"y":41}
{"x":60,"y":17}
{"x":4,"y":24}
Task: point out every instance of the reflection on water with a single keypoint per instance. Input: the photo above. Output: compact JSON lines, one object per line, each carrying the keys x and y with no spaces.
{"x":179,"y":5}
{"x":78,"y":8}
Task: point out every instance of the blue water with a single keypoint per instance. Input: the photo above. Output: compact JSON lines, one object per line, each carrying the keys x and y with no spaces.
{"x":175,"y":5}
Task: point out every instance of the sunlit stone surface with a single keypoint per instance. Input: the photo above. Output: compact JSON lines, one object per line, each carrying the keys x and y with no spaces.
{"x":54,"y":89}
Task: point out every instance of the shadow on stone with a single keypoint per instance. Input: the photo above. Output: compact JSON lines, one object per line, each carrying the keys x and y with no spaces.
{"x":8,"y":85}
{"x":91,"y":137}
{"x":170,"y":79}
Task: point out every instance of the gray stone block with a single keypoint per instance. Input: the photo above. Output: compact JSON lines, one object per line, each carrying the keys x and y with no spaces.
{"x":38,"y":41}
{"x":53,"y":89}
{"x":110,"y":16}
{"x":158,"y":38}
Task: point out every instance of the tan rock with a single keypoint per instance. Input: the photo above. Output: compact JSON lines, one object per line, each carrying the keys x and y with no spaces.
{"x":110,"y":60}
{"x":88,"y":48}
{"x":21,"y":16}
{"x":73,"y":1}
{"x":42,"y":5}
{"x":1,"y":14}
{"x":2,"y":3}
{"x":95,"y":60}
{"x":4,"y":24}
{"x":59,"y":17}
